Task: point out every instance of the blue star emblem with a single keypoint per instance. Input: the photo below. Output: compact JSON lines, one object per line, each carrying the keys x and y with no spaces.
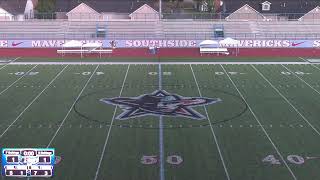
{"x":160,"y":103}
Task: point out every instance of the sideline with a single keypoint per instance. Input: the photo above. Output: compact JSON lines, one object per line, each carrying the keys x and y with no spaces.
{"x":150,"y":63}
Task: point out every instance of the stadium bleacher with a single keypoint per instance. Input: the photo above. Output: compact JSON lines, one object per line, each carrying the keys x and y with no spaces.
{"x":284,"y":29}
{"x":138,"y":29}
{"x":168,"y":29}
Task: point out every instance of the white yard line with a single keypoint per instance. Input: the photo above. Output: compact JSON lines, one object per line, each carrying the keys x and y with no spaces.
{"x":9,"y":63}
{"x":33,"y":100}
{"x":4,"y":66}
{"x":150,"y":63}
{"x":312,"y":64}
{"x":303,"y":117}
{"x":304,"y":59}
{"x":110,"y":127}
{"x":301,"y":79}
{"x":161,"y":149}
{"x":263,"y":129}
{"x":3,"y":91}
{"x":212,"y":131}
{"x":64,"y":119}
{"x":15,"y":59}
{"x":161,"y":145}
{"x":315,"y":66}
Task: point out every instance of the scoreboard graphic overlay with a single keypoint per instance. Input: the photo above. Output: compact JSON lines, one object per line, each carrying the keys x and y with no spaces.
{"x":28,"y":162}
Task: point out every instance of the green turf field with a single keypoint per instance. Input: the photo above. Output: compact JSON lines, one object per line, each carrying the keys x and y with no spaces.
{"x":162,"y":59}
{"x":266,"y":126}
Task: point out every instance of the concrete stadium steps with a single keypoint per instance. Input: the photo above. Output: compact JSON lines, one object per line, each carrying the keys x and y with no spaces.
{"x":188,"y":36}
{"x":47,"y":29}
{"x":30,"y":29}
{"x":296,"y":27}
{"x":239,"y":29}
{"x":165,"y":29}
{"x":205,"y":29}
{"x":133,"y":29}
{"x":30,"y":26}
{"x":187,"y":26}
{"x":168,"y":29}
{"x":287,"y":30}
{"x":80,"y":29}
{"x":188,"y":29}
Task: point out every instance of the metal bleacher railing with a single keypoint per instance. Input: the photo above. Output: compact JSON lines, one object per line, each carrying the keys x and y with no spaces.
{"x":145,"y":36}
{"x":146,"y":16}
{"x":189,"y":26}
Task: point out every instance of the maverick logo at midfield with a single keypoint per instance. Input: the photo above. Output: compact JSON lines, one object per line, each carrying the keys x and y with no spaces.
{"x":159,"y":103}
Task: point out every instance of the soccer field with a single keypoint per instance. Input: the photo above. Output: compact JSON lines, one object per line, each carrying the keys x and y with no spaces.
{"x":166,"y":121}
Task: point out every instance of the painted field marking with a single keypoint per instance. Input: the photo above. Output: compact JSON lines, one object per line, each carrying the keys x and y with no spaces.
{"x":315,"y":66}
{"x":154,"y":63}
{"x":8,"y":63}
{"x":302,"y":80}
{"x":303,"y":117}
{"x":169,"y":126}
{"x":161,"y":146}
{"x":156,"y":73}
{"x":304,"y":59}
{"x":33,"y":100}
{"x":212,"y":131}
{"x":111,"y":124}
{"x":17,"y":80}
{"x":64,"y":119}
{"x":310,"y":158}
{"x":310,"y":63}
{"x":263,"y":129}
{"x":4,"y":66}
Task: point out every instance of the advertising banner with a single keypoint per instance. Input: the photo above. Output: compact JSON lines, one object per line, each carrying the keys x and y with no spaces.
{"x":275,"y":44}
{"x":247,"y":43}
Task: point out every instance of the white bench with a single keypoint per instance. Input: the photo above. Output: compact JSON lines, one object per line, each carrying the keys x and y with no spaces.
{"x":70,"y":51}
{"x":214,"y":51}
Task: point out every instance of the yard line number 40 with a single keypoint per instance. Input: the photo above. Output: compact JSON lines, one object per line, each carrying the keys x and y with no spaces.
{"x":294,"y":159}
{"x":297,"y":72}
{"x":23,"y":73}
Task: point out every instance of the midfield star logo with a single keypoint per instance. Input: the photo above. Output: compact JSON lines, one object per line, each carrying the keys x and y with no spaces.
{"x":159,"y":103}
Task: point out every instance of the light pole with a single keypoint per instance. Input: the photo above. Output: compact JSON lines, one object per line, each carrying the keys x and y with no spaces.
{"x":160,"y":9}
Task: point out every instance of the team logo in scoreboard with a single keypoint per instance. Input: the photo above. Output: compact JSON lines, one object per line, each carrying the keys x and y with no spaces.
{"x":33,"y":162}
{"x":160,"y":103}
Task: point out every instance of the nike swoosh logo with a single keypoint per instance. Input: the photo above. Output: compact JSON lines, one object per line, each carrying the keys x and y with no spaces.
{"x":297,"y":44}
{"x":16,"y":44}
